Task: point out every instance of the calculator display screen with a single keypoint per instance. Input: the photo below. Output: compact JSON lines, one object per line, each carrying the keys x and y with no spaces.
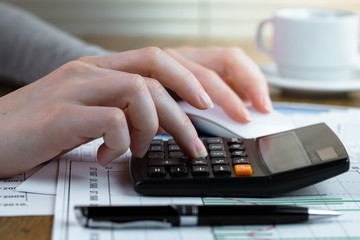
{"x":282,"y":152}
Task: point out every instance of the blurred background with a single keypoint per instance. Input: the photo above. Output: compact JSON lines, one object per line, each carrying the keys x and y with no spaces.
{"x":128,"y":24}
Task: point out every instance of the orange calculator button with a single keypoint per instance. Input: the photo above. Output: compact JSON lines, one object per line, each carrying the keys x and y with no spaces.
{"x":243,"y":170}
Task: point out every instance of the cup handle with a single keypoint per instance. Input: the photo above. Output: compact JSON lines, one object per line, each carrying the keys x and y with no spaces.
{"x":259,"y":36}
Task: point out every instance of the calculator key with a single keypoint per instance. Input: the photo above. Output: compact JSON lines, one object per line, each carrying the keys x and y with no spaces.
{"x":238,"y":154}
{"x":216,"y":147}
{"x":157,"y":142}
{"x":156,"y":155}
{"x":236,"y":147}
{"x":221,"y":170}
{"x":217,"y":154}
{"x":240,"y":160}
{"x":178,"y":171}
{"x":219,"y":161}
{"x":198,"y":161}
{"x":171,"y":142}
{"x":243,"y":170}
{"x":234,"y":140}
{"x":157,"y":171}
{"x":200,"y":171}
{"x":174,"y":147}
{"x":213,"y":140}
{"x":176,"y":155}
{"x":166,"y":162}
{"x":156,"y":148}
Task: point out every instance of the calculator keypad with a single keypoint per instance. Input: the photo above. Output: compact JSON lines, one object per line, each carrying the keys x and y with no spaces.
{"x":225,"y":157}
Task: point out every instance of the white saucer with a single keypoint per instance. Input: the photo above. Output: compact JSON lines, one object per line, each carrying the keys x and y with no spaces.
{"x":350,"y":83}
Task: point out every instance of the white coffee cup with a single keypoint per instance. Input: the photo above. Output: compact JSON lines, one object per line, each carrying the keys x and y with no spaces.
{"x":309,"y":43}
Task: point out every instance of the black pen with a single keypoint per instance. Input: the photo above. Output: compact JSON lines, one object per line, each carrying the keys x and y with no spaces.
{"x":193,"y":215}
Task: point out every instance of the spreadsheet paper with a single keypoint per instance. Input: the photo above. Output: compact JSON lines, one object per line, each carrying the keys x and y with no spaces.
{"x":83,"y":181}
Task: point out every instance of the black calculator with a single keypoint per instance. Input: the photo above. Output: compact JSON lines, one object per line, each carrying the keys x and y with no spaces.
{"x":266,"y":166}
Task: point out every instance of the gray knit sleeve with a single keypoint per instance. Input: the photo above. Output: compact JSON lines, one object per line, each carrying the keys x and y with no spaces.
{"x":31,"y":48}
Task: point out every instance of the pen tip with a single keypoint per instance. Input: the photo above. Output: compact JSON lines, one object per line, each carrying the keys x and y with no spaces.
{"x":318,"y":213}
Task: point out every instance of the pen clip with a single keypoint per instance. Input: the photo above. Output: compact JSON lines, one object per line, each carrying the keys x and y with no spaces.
{"x":135,"y":224}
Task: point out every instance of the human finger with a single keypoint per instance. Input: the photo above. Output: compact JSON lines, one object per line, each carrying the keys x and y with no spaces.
{"x":247,"y":77}
{"x":221,"y":93}
{"x":174,"y":121}
{"x":127,"y":92}
{"x":154,"y":63}
{"x":106,"y":122}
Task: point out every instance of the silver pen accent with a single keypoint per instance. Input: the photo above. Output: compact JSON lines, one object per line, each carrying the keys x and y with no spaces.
{"x":315,"y":214}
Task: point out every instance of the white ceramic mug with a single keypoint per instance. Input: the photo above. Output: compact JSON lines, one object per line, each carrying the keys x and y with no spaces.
{"x":309,"y":43}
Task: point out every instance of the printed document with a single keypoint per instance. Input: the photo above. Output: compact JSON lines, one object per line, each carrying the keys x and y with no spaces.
{"x":83,"y":181}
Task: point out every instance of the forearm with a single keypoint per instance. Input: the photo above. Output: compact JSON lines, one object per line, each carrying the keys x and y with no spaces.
{"x":31,"y":48}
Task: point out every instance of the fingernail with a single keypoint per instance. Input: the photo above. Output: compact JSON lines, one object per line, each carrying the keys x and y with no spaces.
{"x":247,"y":114}
{"x":267,"y":104}
{"x":200,"y":148}
{"x":205,"y":99}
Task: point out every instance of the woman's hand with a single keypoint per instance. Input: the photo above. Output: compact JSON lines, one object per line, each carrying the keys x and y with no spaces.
{"x":119,"y":97}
